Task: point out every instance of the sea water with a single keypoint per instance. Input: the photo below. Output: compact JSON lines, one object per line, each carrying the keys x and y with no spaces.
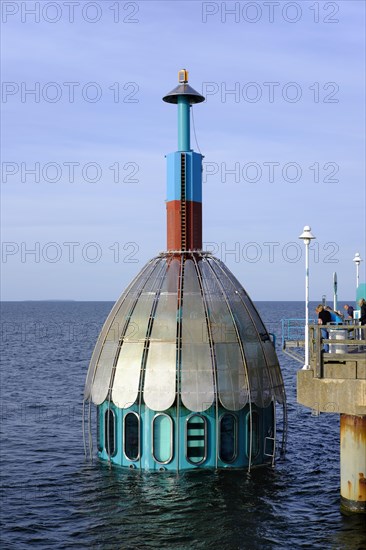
{"x":52,"y":498}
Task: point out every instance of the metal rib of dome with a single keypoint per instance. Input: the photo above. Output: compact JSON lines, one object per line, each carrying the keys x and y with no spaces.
{"x":184,"y":327}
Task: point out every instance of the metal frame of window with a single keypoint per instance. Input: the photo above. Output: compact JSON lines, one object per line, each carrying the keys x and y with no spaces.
{"x":195,"y":415}
{"x":138,"y":434}
{"x":171,"y":438}
{"x":99,"y":431}
{"x":107,"y":432}
{"x":250,"y":423}
{"x":235,"y":454}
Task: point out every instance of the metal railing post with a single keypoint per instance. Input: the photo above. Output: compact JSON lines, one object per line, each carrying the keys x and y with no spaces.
{"x":319,"y":357}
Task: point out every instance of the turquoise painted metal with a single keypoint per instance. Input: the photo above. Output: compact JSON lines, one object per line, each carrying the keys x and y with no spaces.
{"x":183,"y":123}
{"x":193,"y":177}
{"x":360,"y":293}
{"x":177,"y":446}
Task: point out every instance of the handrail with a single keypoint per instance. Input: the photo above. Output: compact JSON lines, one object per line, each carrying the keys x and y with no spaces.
{"x":317,"y":341}
{"x":293,"y":338}
{"x":293,"y":329}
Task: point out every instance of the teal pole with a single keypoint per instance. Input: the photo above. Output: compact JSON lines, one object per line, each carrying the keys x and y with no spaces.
{"x":183,"y":124}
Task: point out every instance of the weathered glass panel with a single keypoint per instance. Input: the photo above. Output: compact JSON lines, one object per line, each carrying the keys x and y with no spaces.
{"x":103,"y":357}
{"x":164,"y":327}
{"x":160,"y":376}
{"x":231,"y":378}
{"x":250,"y":329}
{"x":127,"y":375}
{"x":221,"y":320}
{"x":137,"y":326}
{"x":197,"y":386}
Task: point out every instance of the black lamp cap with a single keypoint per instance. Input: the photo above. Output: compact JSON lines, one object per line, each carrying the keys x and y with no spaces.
{"x":185,"y":90}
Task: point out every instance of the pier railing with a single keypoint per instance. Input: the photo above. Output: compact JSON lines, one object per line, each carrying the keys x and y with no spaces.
{"x":335,"y":344}
{"x":327,"y":343}
{"x":292,"y":330}
{"x":293,"y":338}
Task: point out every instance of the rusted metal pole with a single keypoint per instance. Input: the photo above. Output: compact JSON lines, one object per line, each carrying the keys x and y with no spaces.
{"x":353,"y":463}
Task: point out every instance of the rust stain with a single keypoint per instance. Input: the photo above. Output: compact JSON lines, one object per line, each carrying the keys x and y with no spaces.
{"x":355,"y":426}
{"x":362,"y":487}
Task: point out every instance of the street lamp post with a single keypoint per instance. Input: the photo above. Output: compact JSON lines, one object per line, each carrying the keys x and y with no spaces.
{"x":357,"y":259}
{"x":306,"y":236}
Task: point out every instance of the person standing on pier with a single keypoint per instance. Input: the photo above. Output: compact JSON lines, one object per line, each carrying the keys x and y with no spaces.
{"x":324,"y":318}
{"x":349,"y":310}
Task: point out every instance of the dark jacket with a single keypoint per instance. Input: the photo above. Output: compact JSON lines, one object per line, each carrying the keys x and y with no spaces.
{"x":325,"y":316}
{"x":350,"y":311}
{"x":363,"y":314}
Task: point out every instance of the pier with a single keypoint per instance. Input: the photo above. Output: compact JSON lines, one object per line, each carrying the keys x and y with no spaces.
{"x":336,"y":383}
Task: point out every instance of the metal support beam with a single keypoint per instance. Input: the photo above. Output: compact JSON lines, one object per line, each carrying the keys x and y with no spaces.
{"x":353,"y":463}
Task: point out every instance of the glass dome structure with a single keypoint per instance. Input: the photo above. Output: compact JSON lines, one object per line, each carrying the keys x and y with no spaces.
{"x":184,"y":373}
{"x":185,"y":329}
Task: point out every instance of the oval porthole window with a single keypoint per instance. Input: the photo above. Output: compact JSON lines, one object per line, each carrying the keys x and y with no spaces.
{"x":131,"y":436}
{"x":110,"y":432}
{"x":99,"y":421}
{"x":162,"y":437}
{"x":228,"y":437}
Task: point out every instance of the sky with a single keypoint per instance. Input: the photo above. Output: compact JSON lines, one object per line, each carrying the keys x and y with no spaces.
{"x":85,"y":133}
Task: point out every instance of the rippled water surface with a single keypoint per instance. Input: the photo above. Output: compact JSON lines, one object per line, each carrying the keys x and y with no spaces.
{"x":52,"y":499}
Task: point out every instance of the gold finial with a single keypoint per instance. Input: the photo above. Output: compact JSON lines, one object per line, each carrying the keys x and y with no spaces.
{"x":183,"y":76}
